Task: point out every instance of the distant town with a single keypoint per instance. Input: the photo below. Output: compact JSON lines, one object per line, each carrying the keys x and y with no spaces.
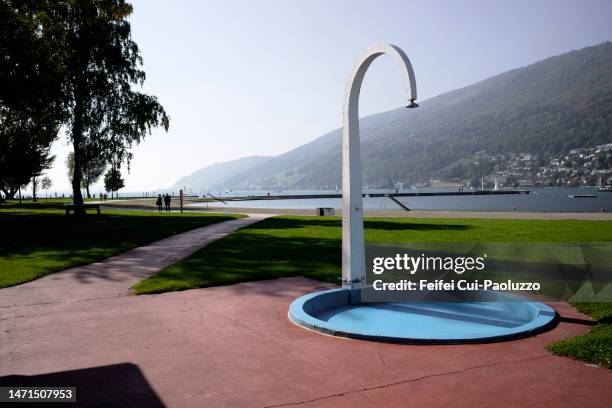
{"x":586,"y":166}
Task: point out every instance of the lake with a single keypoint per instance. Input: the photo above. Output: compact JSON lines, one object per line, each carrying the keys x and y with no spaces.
{"x":547,"y":199}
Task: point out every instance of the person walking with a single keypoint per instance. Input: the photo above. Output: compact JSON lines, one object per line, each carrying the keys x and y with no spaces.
{"x":159,"y":203}
{"x":167,"y":200}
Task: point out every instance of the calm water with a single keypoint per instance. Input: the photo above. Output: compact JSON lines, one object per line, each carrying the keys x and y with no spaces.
{"x":554,"y":199}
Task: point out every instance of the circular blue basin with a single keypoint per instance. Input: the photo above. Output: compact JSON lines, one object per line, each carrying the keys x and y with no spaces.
{"x":505,"y":317}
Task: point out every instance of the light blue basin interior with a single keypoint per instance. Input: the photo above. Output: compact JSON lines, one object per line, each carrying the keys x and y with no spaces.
{"x":506,"y":317}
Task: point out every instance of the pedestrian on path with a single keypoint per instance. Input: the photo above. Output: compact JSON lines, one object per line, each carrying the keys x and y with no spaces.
{"x":167,"y":200}
{"x":159,"y":203}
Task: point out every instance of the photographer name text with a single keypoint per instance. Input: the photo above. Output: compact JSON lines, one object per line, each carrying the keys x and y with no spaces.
{"x":461,"y":284}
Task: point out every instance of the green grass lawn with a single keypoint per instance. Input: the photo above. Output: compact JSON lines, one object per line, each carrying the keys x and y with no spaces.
{"x":38,"y":239}
{"x":595,"y":346}
{"x":599,"y":311}
{"x":311,"y":246}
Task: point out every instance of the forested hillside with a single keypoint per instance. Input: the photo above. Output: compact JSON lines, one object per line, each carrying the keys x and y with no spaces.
{"x":546,"y":108}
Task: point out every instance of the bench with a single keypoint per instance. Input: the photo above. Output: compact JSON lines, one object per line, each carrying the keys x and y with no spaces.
{"x":69,"y":207}
{"x":324,"y":211}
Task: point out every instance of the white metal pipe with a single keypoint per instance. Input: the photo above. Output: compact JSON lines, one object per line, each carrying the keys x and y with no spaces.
{"x":353,"y":249}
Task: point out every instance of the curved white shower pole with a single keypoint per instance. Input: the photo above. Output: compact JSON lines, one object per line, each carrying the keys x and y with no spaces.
{"x":353,"y":250}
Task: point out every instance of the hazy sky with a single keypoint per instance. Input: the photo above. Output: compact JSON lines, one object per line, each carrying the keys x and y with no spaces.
{"x":242,"y":78}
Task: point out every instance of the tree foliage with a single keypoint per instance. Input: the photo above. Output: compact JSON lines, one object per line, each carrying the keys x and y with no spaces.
{"x":30,"y":104}
{"x":113,"y":181}
{"x":24,"y":154}
{"x":107,"y":115}
{"x":46,"y":183}
{"x":99,"y":67}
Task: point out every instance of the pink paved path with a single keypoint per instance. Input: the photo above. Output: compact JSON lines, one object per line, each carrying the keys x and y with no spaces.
{"x":233,"y":346}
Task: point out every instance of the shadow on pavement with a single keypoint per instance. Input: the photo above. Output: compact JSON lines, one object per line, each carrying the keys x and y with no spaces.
{"x":116,"y":385}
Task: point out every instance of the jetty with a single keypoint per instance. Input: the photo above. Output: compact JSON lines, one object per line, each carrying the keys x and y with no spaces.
{"x":366,"y":195}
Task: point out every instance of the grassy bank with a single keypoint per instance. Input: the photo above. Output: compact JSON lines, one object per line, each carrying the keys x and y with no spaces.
{"x":595,"y":346}
{"x":38,"y":239}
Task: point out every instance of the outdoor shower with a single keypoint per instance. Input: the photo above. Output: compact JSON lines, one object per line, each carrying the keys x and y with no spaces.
{"x":483,"y":316}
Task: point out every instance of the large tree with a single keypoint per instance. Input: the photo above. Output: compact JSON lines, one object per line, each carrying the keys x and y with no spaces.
{"x":106,"y":113}
{"x":113,"y":181}
{"x":46,"y":184}
{"x":30,"y":90}
{"x":24,"y":151}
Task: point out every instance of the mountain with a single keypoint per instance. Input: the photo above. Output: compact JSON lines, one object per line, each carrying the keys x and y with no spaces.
{"x":546,"y":108}
{"x":217,"y":176}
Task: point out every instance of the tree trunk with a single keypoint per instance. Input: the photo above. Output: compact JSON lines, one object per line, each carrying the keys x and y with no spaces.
{"x":87,"y":189}
{"x":77,"y":136}
{"x":33,"y":189}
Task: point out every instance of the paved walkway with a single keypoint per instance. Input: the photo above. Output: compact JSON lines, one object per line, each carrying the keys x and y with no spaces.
{"x":233,"y":346}
{"x":114,"y":276}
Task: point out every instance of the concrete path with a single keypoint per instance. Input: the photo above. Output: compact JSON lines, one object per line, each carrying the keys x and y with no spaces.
{"x":233,"y":346}
{"x":114,"y":276}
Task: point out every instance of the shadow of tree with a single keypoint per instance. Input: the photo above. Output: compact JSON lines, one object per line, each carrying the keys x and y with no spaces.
{"x":369,"y":224}
{"x":116,"y":385}
{"x":411,"y":226}
{"x":250,"y":257}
